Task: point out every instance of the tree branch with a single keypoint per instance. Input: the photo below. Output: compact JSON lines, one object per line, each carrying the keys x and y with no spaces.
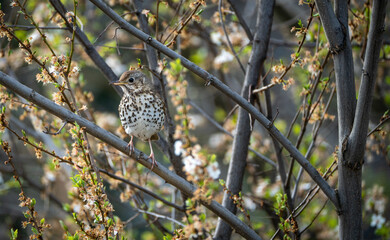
{"x":357,"y":140}
{"x":88,"y":46}
{"x":237,"y":163}
{"x":210,"y":79}
{"x":121,"y":145}
{"x":241,"y":19}
{"x":333,"y":29}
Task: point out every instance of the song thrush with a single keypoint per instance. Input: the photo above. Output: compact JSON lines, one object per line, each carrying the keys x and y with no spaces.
{"x":141,"y":109}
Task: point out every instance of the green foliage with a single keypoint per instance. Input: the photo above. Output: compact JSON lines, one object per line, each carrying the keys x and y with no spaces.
{"x":14,"y":234}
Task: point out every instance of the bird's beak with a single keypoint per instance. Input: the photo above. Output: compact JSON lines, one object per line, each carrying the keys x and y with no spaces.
{"x":117,"y":83}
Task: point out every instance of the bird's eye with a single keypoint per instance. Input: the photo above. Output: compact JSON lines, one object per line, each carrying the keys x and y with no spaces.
{"x":131,"y":79}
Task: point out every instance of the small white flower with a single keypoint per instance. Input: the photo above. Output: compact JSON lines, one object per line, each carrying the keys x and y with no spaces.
{"x":377,"y":221}
{"x":178,"y":148}
{"x":190,"y":164}
{"x":216,"y":37}
{"x":223,"y":57}
{"x":76,"y":208}
{"x":34,"y":36}
{"x":379,"y":205}
{"x":76,"y":70}
{"x":213,"y":170}
{"x":50,"y":176}
{"x":249,"y":204}
{"x":216,"y":139}
{"x":260,"y":190}
{"x":197,"y":119}
{"x":52,"y":69}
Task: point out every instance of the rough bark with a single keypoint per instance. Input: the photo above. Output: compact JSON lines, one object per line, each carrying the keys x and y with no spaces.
{"x":243,"y":130}
{"x":214,"y":81}
{"x":109,"y":138}
{"x":352,"y":118}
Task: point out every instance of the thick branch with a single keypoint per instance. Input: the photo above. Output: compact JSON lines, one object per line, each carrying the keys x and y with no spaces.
{"x":210,"y":79}
{"x":244,"y":129}
{"x":357,"y":140}
{"x":334,"y":31}
{"x":121,"y":145}
{"x":88,"y":46}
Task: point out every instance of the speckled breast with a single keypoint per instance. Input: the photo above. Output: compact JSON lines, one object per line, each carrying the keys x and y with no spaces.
{"x":142,"y":114}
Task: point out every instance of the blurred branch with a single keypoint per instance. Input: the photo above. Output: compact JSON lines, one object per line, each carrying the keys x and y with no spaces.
{"x":381,"y":122}
{"x":221,"y":128}
{"x":121,"y":145}
{"x":88,"y":46}
{"x":241,"y":19}
{"x":313,"y":142}
{"x":145,"y":190}
{"x":227,"y":36}
{"x":160,"y":216}
{"x":212,"y":80}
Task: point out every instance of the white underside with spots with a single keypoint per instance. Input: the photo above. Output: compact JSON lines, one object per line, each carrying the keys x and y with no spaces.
{"x":142,"y":115}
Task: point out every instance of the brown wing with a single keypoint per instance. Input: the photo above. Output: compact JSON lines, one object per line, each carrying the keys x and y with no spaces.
{"x":154,"y":137}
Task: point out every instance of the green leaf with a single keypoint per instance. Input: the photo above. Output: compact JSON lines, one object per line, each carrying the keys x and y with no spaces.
{"x":34,"y":230}
{"x":63,"y":225}
{"x":33,"y":202}
{"x":300,"y":23}
{"x":110,"y":222}
{"x":222,"y":182}
{"x":66,"y":207}
{"x":14,"y":234}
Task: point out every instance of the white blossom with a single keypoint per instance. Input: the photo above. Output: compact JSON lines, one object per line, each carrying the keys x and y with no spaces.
{"x":178,"y":145}
{"x":223,"y":57}
{"x":216,"y":37}
{"x":190,"y":164}
{"x":249,"y":204}
{"x":377,"y":220}
{"x":213,"y":170}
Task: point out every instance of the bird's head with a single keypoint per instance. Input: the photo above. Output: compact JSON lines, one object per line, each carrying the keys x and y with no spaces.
{"x":132,"y":80}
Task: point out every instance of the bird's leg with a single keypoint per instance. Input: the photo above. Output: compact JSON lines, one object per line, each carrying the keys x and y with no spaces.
{"x":131,"y":144}
{"x":154,"y":163}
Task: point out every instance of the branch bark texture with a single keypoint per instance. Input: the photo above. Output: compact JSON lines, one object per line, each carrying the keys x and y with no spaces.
{"x":237,"y":164}
{"x":352,"y":117}
{"x":109,"y":138}
{"x":210,"y":79}
{"x":88,"y":46}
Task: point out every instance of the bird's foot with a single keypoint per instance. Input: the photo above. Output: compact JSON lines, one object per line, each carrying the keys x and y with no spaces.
{"x":131,"y":145}
{"x":154,"y":162}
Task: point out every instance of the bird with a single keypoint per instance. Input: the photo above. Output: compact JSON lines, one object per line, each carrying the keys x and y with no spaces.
{"x":141,"y":109}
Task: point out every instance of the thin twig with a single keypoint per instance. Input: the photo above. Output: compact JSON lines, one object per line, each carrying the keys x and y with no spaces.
{"x":109,"y":138}
{"x":214,"y":81}
{"x":376,"y":128}
{"x":150,"y":193}
{"x":227,"y":36}
{"x":161,"y":216}
{"x":221,"y":128}
{"x":47,"y":131}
